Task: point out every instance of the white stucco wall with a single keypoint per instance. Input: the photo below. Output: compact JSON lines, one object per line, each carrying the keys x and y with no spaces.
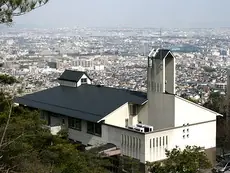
{"x":83,"y":77}
{"x":67,"y":83}
{"x":203,"y":135}
{"x":118,"y":116}
{"x":188,"y":112}
{"x":130,"y":142}
{"x":137,"y":145}
{"x":143,"y":114}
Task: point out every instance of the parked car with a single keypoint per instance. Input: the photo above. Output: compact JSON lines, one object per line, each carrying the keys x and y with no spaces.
{"x":222,"y":167}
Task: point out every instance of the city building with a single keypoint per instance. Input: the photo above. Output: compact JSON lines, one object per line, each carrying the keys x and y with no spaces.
{"x":221,"y":86}
{"x":140,"y":125}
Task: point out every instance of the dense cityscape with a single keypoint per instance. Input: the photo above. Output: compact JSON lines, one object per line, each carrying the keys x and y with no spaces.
{"x":114,"y":86}
{"x":115,"y":57}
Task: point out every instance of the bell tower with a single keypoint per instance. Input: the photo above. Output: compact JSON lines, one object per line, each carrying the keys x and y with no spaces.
{"x":160,"y":82}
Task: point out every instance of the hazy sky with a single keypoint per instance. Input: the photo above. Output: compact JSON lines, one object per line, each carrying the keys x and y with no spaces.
{"x":129,"y":13}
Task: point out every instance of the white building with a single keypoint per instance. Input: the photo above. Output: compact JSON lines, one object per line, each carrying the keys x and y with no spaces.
{"x":97,"y":115}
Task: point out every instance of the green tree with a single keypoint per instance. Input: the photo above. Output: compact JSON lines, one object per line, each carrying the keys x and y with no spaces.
{"x":11,"y":8}
{"x":189,"y":160}
{"x":28,"y":146}
{"x":7,"y":79}
{"x":128,"y":164}
{"x":216,"y":102}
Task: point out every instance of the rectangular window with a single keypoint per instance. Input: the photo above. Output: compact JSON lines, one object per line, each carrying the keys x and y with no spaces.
{"x":150,"y":143}
{"x":74,"y":123}
{"x":126,"y":122}
{"x":163,"y":140}
{"x":166,"y":140}
{"x":160,"y":141}
{"x":84,"y":80}
{"x":133,"y":141}
{"x":153,"y":142}
{"x":94,"y":128}
{"x":156,"y":142}
{"x":90,"y":127}
{"x":97,"y":129}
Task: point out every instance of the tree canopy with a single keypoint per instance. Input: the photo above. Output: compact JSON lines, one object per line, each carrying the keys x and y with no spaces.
{"x":190,"y":160}
{"x":11,"y":8}
{"x":216,"y":102}
{"x":7,"y":79}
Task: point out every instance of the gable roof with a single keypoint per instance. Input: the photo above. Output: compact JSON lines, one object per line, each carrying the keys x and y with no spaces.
{"x":87,"y":102}
{"x":160,"y":53}
{"x":73,"y":76}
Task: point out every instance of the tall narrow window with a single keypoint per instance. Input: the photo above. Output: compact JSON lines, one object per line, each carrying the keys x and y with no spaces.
{"x":150,"y":144}
{"x":133,"y":141}
{"x":126,"y":122}
{"x":97,"y":129}
{"x":163,"y":141}
{"x":153,"y":142}
{"x":90,"y":127}
{"x":156,"y":142}
{"x":160,"y":141}
{"x":166,"y":141}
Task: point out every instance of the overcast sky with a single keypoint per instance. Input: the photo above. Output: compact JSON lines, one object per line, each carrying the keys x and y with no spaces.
{"x":129,"y":13}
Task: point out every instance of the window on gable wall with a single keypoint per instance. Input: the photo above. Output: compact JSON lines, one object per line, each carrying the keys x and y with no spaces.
{"x":83,"y":80}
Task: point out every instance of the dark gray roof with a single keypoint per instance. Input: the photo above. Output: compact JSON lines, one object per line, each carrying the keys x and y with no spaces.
{"x":87,"y":102}
{"x":71,"y":75}
{"x":161,"y":53}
